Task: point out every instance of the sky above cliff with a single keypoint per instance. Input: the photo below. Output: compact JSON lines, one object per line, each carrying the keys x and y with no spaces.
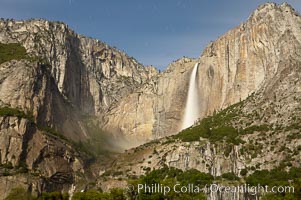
{"x":155,"y":32}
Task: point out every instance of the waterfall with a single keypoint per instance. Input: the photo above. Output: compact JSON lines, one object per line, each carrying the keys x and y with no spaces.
{"x":192,"y":107}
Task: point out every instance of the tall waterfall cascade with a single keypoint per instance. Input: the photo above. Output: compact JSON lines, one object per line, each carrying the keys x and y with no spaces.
{"x":192,"y":102}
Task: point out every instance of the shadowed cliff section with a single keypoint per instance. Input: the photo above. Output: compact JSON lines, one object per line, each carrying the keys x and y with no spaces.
{"x":75,"y":76}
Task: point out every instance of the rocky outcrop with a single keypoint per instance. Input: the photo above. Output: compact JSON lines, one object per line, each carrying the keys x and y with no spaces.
{"x":240,"y":61}
{"x":29,"y":86}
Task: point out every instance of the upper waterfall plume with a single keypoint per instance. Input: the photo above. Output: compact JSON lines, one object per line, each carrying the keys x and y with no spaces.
{"x":192,"y":107}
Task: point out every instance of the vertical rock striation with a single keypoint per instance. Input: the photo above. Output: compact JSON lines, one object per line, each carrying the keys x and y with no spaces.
{"x":234,"y":66}
{"x":239,"y":62}
{"x":87,"y":76}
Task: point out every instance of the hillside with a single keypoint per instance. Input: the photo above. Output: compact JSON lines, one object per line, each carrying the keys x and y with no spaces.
{"x":77,"y":114}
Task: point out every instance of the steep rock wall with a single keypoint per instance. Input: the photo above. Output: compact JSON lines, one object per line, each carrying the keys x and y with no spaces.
{"x":83,"y":77}
{"x":155,"y":110}
{"x":239,"y":62}
{"x":136,"y":101}
{"x":231,"y":68}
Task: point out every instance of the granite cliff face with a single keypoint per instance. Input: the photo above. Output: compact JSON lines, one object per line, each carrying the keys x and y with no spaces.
{"x":138,"y":102}
{"x":64,"y":79}
{"x":267,"y":136}
{"x":87,"y":74}
{"x":154,"y":110}
{"x":240,"y":61}
{"x":68,"y":78}
{"x":231,"y":68}
{"x":255,"y":69}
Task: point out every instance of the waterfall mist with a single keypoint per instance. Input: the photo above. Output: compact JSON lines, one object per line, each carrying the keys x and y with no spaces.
{"x":192,"y":102}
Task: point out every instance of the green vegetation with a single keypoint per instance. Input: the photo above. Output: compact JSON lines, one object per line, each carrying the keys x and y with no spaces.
{"x":7,"y":165}
{"x":172,"y":176}
{"x":15,"y":51}
{"x":230,"y":176}
{"x":243,"y":172}
{"x":194,"y":176}
{"x":22,"y":167}
{"x":258,"y":128}
{"x":53,"y":196}
{"x":12,"y":51}
{"x":7,"y":169}
{"x":273,"y":177}
{"x":294,"y":126}
{"x":208,"y":128}
{"x":252,"y":149}
{"x":223,"y":126}
{"x":164,"y":177}
{"x":19,"y":193}
{"x":228,"y":150}
{"x":14,"y":112}
{"x":51,"y":131}
{"x":169,"y":177}
{"x":278,"y":177}
{"x":216,"y":128}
